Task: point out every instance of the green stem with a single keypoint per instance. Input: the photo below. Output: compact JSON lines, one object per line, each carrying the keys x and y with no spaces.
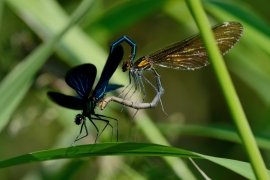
{"x":227,"y":87}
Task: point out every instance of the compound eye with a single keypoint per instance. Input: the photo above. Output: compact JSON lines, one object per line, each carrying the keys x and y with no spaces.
{"x":79,"y":119}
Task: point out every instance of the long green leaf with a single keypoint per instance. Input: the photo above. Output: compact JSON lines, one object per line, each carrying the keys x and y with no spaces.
{"x":23,"y":74}
{"x":125,"y":149}
{"x":211,"y":131}
{"x":76,"y":47}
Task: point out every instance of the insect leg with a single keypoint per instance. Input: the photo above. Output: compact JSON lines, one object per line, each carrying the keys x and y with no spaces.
{"x":160,"y":87}
{"x":104,"y":120}
{"x":77,"y":138}
{"x":130,"y":82}
{"x":115,"y":119}
{"x":160,"y":92}
{"x":133,"y":76}
{"x":143,"y":89}
{"x":97,"y":135}
{"x":137,"y":85}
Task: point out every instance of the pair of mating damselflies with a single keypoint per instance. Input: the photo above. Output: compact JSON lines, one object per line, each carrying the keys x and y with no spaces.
{"x":189,"y":54}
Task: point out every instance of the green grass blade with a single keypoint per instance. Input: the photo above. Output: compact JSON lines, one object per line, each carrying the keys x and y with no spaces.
{"x":75,"y":47}
{"x":252,"y":64}
{"x":125,"y":149}
{"x":254,"y":73}
{"x":228,"y":90}
{"x":239,"y":167}
{"x":102,"y":149}
{"x":22,"y":75}
{"x":13,"y":102}
{"x":25,"y":72}
{"x":211,"y":131}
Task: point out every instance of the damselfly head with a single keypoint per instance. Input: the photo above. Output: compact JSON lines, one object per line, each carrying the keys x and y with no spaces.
{"x":79,"y":119}
{"x":126,"y":66}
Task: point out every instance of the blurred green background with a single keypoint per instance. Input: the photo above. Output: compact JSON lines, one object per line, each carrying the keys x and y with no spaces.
{"x":198,"y":118}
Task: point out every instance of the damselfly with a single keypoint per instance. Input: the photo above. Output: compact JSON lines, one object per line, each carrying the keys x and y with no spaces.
{"x":81,"y":78}
{"x":189,"y":54}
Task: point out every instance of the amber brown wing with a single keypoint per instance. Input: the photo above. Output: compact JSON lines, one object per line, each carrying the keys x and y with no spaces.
{"x":191,"y":54}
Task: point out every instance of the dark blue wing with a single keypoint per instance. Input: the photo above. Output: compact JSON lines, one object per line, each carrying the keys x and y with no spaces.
{"x":70,"y":102}
{"x":81,"y":78}
{"x":113,"y":61}
{"x":112,"y":87}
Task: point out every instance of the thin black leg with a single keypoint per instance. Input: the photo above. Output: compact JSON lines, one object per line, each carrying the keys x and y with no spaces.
{"x":115,"y":119}
{"x":77,"y":138}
